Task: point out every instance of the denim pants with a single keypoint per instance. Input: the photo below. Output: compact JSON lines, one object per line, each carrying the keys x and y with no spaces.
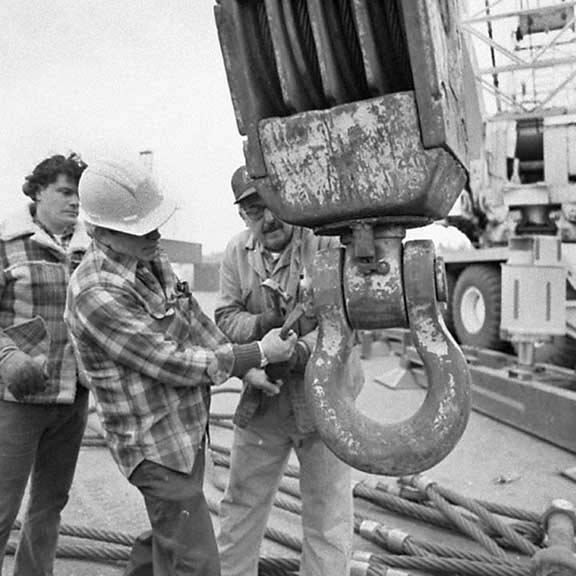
{"x":182,"y":541}
{"x":40,"y":442}
{"x":260,"y":453}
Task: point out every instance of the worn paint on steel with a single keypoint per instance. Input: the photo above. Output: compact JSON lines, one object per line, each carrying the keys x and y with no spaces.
{"x":355,"y":161}
{"x":414,"y":444}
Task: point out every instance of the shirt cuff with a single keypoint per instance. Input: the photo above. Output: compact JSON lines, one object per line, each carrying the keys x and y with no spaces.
{"x":246,"y":356}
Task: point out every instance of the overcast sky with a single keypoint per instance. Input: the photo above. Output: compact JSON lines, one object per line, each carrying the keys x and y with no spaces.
{"x":115,"y":76}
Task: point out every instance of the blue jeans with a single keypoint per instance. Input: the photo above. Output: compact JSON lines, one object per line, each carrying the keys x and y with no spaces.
{"x":182,"y":541}
{"x":40,"y":442}
{"x":259,"y":456}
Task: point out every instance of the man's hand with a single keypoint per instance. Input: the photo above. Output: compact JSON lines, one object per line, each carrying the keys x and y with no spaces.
{"x":275,"y":348}
{"x":257,"y":378}
{"x":22,"y":375}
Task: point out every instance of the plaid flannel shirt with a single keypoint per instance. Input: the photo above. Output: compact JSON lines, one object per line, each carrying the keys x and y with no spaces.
{"x":34,"y":274}
{"x":150,"y":355}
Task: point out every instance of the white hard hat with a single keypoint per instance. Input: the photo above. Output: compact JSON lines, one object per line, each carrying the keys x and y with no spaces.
{"x":123,"y":196}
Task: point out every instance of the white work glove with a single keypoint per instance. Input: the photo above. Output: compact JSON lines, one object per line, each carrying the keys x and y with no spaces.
{"x":258,"y":378}
{"x":22,"y":375}
{"x":276,"y":349}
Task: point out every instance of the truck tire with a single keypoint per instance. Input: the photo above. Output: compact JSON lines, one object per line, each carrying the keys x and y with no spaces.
{"x":446,"y":307}
{"x":476,"y":307}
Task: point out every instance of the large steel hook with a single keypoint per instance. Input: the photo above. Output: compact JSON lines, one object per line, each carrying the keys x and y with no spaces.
{"x":421,"y":441}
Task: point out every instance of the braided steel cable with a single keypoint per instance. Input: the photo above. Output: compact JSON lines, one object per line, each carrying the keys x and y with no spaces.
{"x":297,"y":59}
{"x":105,"y":554}
{"x":346,"y":49}
{"x":397,"y":541}
{"x":400,"y":506}
{"x":409,"y":493}
{"x":451,"y":552}
{"x":300,"y":33}
{"x":464,"y":525}
{"x":109,"y":536}
{"x":501,"y":510}
{"x":452,"y":566}
{"x":266,"y":566}
{"x":393,"y":540}
{"x":509,"y":535}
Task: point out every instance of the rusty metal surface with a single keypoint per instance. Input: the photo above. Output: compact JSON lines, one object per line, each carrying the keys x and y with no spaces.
{"x":375,"y":299}
{"x":291,"y":56}
{"x":359,"y":160}
{"x":422,"y":440}
{"x":436,"y":47}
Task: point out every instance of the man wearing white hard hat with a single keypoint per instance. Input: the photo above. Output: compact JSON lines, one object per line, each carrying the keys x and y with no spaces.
{"x":150,"y":356}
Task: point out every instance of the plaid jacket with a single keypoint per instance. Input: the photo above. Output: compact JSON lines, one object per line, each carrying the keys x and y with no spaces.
{"x":34,"y":274}
{"x":242,"y":298}
{"x":150,"y":355}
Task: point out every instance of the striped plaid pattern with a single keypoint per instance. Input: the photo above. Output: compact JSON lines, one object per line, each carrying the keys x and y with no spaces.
{"x":150,"y":355}
{"x":34,"y":274}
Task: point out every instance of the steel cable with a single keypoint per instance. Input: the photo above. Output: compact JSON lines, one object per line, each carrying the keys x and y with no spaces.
{"x":408,"y":545}
{"x":451,"y":566}
{"x":517,"y":540}
{"x":496,"y":508}
{"x":105,"y":554}
{"x":461,"y":523}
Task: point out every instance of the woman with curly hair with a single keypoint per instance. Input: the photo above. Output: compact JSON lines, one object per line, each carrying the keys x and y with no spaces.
{"x":43,"y":407}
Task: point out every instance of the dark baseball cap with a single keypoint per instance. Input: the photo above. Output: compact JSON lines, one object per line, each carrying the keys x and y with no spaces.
{"x":242,"y":185}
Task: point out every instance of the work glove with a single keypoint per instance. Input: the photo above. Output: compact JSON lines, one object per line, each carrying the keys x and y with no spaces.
{"x":268,"y":320}
{"x":22,"y":375}
{"x":275,"y":348}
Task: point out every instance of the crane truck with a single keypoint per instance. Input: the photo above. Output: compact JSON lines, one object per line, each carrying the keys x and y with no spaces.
{"x":514,"y":289}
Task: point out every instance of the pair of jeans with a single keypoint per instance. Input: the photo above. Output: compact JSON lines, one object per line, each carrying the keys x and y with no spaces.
{"x":182,"y":540}
{"x":259,"y":456}
{"x":39,"y":442}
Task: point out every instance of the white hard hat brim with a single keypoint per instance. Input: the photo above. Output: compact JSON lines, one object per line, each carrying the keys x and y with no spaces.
{"x":145,"y":224}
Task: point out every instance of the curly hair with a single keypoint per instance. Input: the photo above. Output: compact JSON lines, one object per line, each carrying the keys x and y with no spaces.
{"x":48,"y":171}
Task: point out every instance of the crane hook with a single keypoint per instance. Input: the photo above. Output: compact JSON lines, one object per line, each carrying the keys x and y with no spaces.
{"x":424,"y":439}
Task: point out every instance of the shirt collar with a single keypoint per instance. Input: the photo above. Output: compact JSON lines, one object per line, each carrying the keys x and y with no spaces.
{"x":21,"y":223}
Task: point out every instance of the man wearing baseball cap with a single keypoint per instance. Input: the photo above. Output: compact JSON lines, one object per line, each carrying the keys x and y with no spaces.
{"x":263,"y":278}
{"x":150,"y":356}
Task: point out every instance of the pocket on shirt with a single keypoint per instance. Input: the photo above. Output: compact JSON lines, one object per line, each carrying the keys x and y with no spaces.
{"x":31,"y":337}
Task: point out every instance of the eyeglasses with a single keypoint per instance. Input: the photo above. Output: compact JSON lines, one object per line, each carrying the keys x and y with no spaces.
{"x":254,"y":213}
